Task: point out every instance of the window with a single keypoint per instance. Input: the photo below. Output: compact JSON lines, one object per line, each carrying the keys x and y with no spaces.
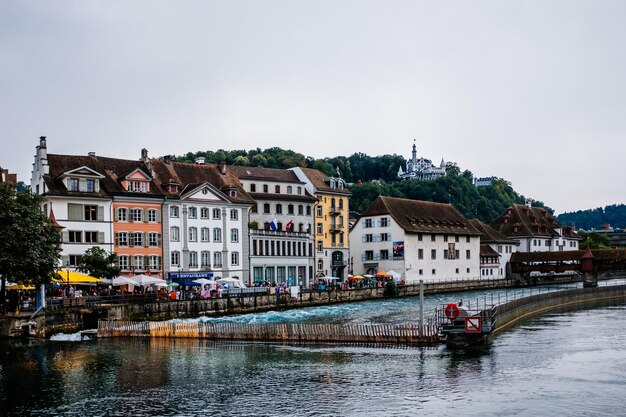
{"x":547,"y":243}
{"x":217,"y":235}
{"x":205,"y":258}
{"x":290,"y":209}
{"x":385,"y":237}
{"x":74,"y":260}
{"x":174,"y":211}
{"x":434,"y":272}
{"x":265,"y":188}
{"x":277,"y":189}
{"x":234,"y":258}
{"x":138,"y":262}
{"x":136,"y":215}
{"x":419,"y":237}
{"x":193,"y":234}
{"x":299,"y":190}
{"x":384,"y":222}
{"x":204,"y":213}
{"x":234,"y":235}
{"x":91,"y":185}
{"x":433,"y":254}
{"x":175,"y":258}
{"x":318,"y":211}
{"x":217,"y":214}
{"x":320,"y":228}
{"x":279,"y":209}
{"x":300,"y":209}
{"x":154,"y":262}
{"x":420,"y":254}
{"x":123,"y":262}
{"x":289,"y":189}
{"x":467,"y":239}
{"x":384,"y":254}
{"x":193,"y":213}
{"x":499,"y":248}
{"x":193,"y":259}
{"x":432,"y":238}
{"x":75,"y":236}
{"x":122,"y":239}
{"x":467,"y":254}
{"x":153,"y":215}
{"x":234,"y":214}
{"x":368,"y":223}
{"x":91,"y":212}
{"x":204,"y":234}
{"x":217,"y":259}
{"x":253,"y":188}
{"x":136,"y":239}
{"x":341,"y":204}
{"x":369,"y":237}
{"x":73,"y":184}
{"x":91,"y":237}
{"x":445,"y":238}
{"x":122,"y":215}
{"x":308,"y":210}
{"x":369,"y":255}
{"x":174,"y":234}
{"x":320,"y":246}
{"x":153,"y":239}
{"x":421,"y":272}
{"x":320,"y":265}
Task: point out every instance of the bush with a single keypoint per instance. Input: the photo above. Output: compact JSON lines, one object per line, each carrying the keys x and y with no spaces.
{"x":391,"y":289}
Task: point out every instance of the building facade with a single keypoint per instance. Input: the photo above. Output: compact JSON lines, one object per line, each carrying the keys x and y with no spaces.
{"x":281,"y":232}
{"x":495,"y":251}
{"x":331,"y":221}
{"x":420,"y":240}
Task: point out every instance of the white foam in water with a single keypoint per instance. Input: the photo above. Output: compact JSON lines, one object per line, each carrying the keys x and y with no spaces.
{"x":68,"y":337}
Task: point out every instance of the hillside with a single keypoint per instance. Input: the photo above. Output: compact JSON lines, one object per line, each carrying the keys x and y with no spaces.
{"x":372,"y":176}
{"x":614,"y":215}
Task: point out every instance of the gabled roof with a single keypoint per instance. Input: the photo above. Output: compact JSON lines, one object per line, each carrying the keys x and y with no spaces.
{"x":486,"y":250}
{"x":522,"y":221}
{"x":191,"y":176}
{"x":490,"y":235}
{"x":321,"y":182}
{"x":416,"y":216}
{"x":262,"y":173}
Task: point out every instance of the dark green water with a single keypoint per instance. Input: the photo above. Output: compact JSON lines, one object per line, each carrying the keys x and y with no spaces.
{"x":559,"y":365}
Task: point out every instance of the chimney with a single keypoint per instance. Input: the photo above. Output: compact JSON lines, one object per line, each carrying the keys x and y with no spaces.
{"x":221,"y":165}
{"x":144,"y":154}
{"x":199,"y":160}
{"x":91,"y":154}
{"x":42,"y":141}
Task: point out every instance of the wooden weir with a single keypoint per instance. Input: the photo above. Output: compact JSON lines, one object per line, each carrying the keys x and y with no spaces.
{"x":407,"y":333}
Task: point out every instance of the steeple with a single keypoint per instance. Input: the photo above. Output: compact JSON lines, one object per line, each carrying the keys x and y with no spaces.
{"x":414,"y":153}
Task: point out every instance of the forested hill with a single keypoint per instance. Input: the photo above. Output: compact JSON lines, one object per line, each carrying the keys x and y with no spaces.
{"x":614,"y":215}
{"x":370,"y":177}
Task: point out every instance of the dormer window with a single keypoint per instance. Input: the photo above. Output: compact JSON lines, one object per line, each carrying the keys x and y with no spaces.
{"x":332,"y":184}
{"x":341,"y":185}
{"x":72,"y":184}
{"x":173,"y":188}
{"x":137,"y":186}
{"x":233,"y":193}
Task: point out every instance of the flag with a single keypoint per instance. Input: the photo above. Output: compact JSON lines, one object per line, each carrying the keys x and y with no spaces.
{"x":289,"y":226}
{"x":274,"y":224}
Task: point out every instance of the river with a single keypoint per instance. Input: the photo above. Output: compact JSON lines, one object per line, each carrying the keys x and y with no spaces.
{"x":570,"y":364}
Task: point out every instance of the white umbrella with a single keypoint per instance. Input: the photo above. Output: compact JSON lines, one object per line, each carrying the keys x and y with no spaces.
{"x":329,"y":278}
{"x":232,"y":281}
{"x":147,"y":280}
{"x":117,"y":281}
{"x":203,"y":281}
{"x":396,"y":275}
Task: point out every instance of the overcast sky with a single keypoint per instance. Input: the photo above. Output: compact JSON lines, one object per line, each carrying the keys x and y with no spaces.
{"x":530,"y":91}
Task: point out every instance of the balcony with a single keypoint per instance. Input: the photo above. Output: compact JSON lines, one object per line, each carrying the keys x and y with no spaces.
{"x":334,"y":211}
{"x":336,"y":228}
{"x":279,"y":233}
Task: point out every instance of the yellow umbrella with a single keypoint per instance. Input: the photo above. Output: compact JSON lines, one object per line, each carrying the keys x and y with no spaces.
{"x":72,"y":277}
{"x":19,"y":287}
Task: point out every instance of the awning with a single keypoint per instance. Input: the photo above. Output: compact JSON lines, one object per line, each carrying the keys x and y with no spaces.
{"x":65,"y":276}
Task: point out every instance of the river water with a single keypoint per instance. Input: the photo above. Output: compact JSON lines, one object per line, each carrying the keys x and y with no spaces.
{"x":570,"y":364}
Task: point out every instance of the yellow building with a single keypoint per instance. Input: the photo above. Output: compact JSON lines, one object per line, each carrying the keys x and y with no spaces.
{"x":331,"y":228}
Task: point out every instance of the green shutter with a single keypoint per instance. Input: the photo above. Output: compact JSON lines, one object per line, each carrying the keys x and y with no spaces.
{"x":74,"y":211}
{"x":100,"y":213}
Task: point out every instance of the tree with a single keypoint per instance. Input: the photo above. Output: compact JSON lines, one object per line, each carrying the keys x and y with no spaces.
{"x":99,"y":263}
{"x":30,"y":244}
{"x":596,"y":240}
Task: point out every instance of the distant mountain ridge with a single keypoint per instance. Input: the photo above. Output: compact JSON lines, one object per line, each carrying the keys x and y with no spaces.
{"x":613,"y":215}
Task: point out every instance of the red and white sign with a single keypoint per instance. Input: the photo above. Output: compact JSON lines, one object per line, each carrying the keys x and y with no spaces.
{"x":472,"y":325}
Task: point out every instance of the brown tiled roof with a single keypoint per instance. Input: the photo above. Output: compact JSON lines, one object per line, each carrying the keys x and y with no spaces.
{"x":422,"y":216}
{"x":261,"y":173}
{"x":490,"y":235}
{"x":190,"y":176}
{"x":486,"y":250}
{"x":318,"y":179}
{"x":520,"y":220}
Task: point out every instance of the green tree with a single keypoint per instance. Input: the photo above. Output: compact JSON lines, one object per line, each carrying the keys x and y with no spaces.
{"x":596,"y":240}
{"x":99,"y":263}
{"x":30,"y":244}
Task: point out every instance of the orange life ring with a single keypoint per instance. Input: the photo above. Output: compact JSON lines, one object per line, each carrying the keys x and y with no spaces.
{"x":452,"y":311}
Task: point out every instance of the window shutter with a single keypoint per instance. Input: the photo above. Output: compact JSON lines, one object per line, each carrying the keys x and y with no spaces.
{"x":66,"y":236}
{"x":159,"y":262}
{"x":117,"y":239}
{"x":146,"y":239}
{"x":100,"y":237}
{"x":144,"y":215}
{"x":100,"y":213}
{"x":159,"y":239}
{"x":65,"y":260}
{"x":158,"y":216}
{"x":117,"y":214}
{"x":131,"y":240}
{"x":132,"y":261}
{"x":363,"y":238}
{"x":74,"y":211}
{"x":363,"y":224}
{"x":82,"y":184}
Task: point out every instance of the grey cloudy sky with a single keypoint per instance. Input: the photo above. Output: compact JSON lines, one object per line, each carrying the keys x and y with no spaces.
{"x":530,"y":91}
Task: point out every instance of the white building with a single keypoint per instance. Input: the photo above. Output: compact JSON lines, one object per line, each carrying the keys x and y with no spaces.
{"x":419,"y":239}
{"x":495,"y":251}
{"x":281,"y":241}
{"x":421,"y":169}
{"x":535,"y":230}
